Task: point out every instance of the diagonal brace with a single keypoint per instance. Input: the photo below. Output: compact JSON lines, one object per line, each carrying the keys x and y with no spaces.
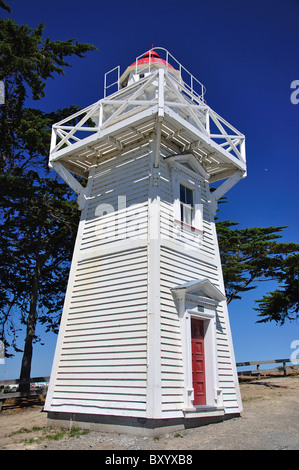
{"x":71,"y":181}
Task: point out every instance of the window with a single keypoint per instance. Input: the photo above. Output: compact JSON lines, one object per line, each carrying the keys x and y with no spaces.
{"x":186,"y":205}
{"x":187,"y":179}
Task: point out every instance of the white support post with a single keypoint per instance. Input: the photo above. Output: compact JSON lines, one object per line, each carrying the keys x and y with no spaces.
{"x":224,"y":188}
{"x":158,"y":142}
{"x":208,"y":121}
{"x":154,"y":315}
{"x":101,"y":115}
{"x":71,"y":181}
{"x":160,"y":115}
{"x":227,"y":185}
{"x":161,"y":94}
{"x":243,"y":150}
{"x":53,"y":139}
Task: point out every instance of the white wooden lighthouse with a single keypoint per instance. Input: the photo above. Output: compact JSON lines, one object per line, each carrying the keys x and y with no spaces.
{"x":145,"y":342}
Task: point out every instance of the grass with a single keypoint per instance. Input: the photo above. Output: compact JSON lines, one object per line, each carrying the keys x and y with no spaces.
{"x":54,"y":435}
{"x":25,"y":430}
{"x":57,"y":436}
{"x":76,"y":432}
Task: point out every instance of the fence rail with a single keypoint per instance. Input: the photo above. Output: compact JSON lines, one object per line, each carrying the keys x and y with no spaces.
{"x":22,"y":388}
{"x":38,"y":385}
{"x":258,"y":371}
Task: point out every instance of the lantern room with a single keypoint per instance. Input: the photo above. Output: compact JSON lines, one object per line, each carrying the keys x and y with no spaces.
{"x":143,"y":67}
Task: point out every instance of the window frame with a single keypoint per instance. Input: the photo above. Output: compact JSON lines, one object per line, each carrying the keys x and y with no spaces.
{"x":187,"y":209}
{"x":181,"y":175}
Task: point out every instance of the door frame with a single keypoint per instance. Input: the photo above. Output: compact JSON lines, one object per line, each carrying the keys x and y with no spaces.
{"x":198,"y":372}
{"x":199,"y":299}
{"x":208,"y":316}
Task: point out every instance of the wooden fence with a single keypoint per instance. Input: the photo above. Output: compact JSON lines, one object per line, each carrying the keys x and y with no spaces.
{"x":258,"y":370}
{"x":20,"y":388}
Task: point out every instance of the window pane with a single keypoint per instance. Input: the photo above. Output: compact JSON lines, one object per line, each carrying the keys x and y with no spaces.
{"x":186,"y":204}
{"x":189,"y":196}
{"x":182,"y":212}
{"x":182,"y":193}
{"x":187,"y":215}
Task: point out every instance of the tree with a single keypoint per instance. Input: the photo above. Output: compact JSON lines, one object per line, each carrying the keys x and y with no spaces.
{"x":42,"y":228}
{"x":253,"y":255}
{"x":4,"y":6}
{"x":282,"y":304}
{"x":39,"y":216}
{"x":27,"y":61}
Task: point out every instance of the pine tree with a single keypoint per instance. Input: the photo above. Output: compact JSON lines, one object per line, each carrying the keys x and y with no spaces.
{"x":38,"y":213}
{"x":253,"y":255}
{"x":42,"y":228}
{"x":282,"y":304}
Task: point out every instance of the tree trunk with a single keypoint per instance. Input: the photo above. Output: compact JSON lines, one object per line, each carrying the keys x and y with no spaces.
{"x":28,"y":350}
{"x":30,"y":330}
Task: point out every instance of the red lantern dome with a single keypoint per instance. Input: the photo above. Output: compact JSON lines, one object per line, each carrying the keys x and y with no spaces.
{"x":151,"y":57}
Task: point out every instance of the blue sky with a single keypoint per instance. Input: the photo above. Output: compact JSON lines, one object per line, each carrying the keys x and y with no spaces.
{"x":246,"y":55}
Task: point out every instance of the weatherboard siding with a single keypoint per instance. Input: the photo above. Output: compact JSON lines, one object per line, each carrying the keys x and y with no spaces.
{"x":177,"y":269}
{"x":118,"y":205}
{"x":169,"y":229}
{"x":104,"y":352}
{"x":183,"y":259}
{"x":102,"y":366}
{"x":103,"y":363}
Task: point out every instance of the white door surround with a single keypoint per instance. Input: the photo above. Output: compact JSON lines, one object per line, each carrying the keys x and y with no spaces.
{"x":198,"y":299}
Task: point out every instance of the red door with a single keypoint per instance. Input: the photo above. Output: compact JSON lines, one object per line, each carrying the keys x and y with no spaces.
{"x":198,"y":362}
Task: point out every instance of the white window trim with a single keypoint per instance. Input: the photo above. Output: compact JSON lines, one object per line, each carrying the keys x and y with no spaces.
{"x":181,"y":175}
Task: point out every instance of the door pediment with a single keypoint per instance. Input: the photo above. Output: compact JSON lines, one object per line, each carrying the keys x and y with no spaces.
{"x":199,"y":287}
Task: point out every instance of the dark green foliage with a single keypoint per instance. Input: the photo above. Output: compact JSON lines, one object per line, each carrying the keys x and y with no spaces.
{"x":38,"y":213}
{"x":29,"y":59}
{"x":254,"y":254}
{"x":4,"y":6}
{"x":37,"y":234}
{"x":283,"y":304}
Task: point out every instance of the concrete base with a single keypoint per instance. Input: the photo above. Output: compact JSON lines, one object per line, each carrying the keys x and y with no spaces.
{"x":130,"y":425}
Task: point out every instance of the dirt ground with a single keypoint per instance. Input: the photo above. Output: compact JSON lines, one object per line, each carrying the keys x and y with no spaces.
{"x":270,"y":421}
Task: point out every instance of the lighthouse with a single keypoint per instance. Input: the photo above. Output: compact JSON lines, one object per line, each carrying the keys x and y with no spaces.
{"x":145,"y":343}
